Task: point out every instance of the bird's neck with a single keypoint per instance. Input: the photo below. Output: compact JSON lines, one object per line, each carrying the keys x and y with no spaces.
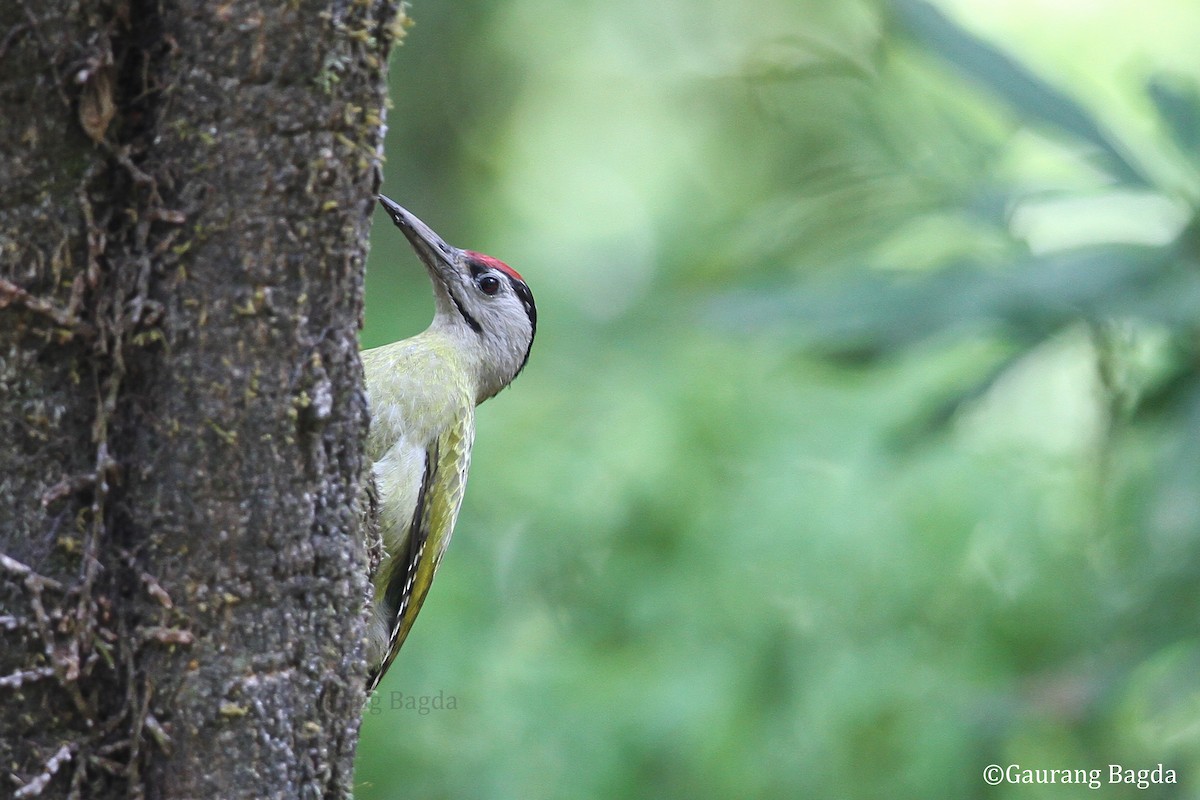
{"x":483,"y":365}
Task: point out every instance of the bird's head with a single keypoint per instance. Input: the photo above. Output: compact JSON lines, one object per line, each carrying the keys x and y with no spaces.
{"x":481,"y":302}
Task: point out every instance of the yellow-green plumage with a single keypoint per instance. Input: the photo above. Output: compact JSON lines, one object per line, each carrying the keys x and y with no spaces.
{"x":423,"y":392}
{"x":422,"y":429}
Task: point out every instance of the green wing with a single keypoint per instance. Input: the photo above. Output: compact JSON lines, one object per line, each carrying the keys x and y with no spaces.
{"x":438,"y":501}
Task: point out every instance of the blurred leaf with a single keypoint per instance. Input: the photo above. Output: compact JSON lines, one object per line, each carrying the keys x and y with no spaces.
{"x":1177,"y":100}
{"x":874,"y":314}
{"x":1029,"y":95}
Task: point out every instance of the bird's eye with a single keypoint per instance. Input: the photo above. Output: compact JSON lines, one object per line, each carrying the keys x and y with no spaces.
{"x":489,"y":284}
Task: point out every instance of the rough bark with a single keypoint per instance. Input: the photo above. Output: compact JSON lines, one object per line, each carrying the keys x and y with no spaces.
{"x":187,"y":191}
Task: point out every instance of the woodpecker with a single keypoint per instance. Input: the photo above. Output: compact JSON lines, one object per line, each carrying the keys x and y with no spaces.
{"x":423,"y":392}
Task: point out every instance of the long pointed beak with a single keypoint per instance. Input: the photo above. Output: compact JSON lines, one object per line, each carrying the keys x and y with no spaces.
{"x":437,"y":256}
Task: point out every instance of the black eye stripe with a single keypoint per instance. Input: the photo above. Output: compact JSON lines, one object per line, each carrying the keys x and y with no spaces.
{"x":471,"y":321}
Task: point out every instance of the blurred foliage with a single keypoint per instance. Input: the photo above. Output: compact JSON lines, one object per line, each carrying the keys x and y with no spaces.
{"x":860,"y":444}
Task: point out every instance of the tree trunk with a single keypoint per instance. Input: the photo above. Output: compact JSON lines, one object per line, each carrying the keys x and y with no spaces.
{"x":183,"y":225}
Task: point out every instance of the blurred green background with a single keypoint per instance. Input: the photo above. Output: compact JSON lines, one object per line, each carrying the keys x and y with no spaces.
{"x":860,"y":444}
